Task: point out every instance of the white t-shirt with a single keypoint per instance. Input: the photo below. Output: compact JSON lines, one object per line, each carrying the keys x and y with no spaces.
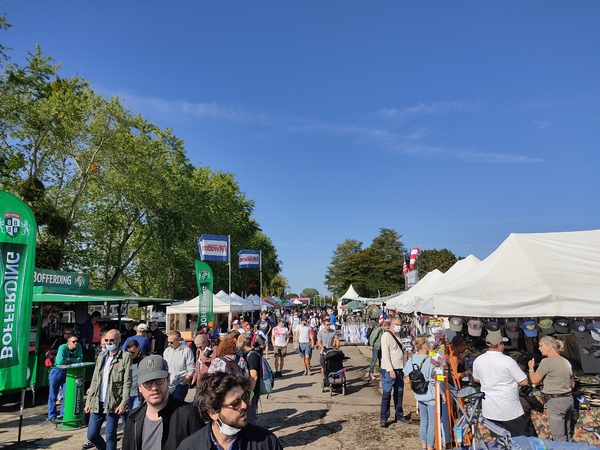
{"x":500,"y":376}
{"x":303,"y":334}
{"x":280,"y":336}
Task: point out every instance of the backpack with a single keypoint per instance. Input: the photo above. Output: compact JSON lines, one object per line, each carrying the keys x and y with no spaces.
{"x":232,"y":366}
{"x":267,"y":381}
{"x":258,"y":341}
{"x":418,"y":383}
{"x":369,"y":332}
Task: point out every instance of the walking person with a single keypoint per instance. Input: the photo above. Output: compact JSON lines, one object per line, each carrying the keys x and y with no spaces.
{"x":182,"y":365}
{"x":375,"y":346}
{"x":280,"y":339}
{"x":304,"y":343}
{"x":392,"y":375}
{"x":109,"y":392}
{"x":254,"y":363}
{"x":425,"y":400}
{"x":326,"y":340}
{"x":557,"y":374}
{"x":263,"y":326}
{"x":133,"y":348}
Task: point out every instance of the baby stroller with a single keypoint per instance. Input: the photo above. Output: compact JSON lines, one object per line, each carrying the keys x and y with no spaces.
{"x":335,"y":374}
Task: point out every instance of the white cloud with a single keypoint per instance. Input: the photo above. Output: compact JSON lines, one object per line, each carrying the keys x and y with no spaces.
{"x":422,"y":108}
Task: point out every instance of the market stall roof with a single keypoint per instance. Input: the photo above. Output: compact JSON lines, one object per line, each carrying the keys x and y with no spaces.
{"x":350,"y":294}
{"x":51,"y":294}
{"x":530,"y":275}
{"x":405,"y":302}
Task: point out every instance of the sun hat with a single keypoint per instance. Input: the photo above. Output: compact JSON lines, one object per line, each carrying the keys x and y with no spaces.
{"x":546,"y":325}
{"x":579,"y":329}
{"x":152,"y":367}
{"x":494,"y":338}
{"x":562,"y":325}
{"x":529,"y":328}
{"x":456,"y":323}
{"x":475,"y":326}
{"x":511,"y":329}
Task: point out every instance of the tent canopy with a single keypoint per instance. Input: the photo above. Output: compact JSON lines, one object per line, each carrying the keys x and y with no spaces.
{"x":529,"y":275}
{"x":350,"y":294}
{"x":405,"y":302}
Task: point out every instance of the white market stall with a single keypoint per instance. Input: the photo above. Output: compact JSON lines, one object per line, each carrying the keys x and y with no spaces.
{"x":405,"y":301}
{"x":177,"y":315}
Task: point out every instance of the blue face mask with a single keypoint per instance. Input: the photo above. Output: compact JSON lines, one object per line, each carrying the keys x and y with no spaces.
{"x":111,"y":347}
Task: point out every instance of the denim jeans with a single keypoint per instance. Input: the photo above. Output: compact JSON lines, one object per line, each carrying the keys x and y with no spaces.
{"x":375,"y":356}
{"x":181,"y":391}
{"x":392,"y":388}
{"x":427,"y":424}
{"x":58,"y":378}
{"x":95,"y":425}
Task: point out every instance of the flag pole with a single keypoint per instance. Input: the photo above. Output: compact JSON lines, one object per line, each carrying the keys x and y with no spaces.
{"x":260,"y":263}
{"x":229,"y":290}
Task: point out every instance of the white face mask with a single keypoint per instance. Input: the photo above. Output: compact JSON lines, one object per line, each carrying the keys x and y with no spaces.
{"x":397,"y":328}
{"x":227,"y":430}
{"x":111,"y":347}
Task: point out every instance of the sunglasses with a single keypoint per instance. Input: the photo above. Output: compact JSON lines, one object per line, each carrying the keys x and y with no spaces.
{"x":172,"y":342}
{"x":110,"y":341}
{"x":74,"y":342}
{"x":158,"y":382}
{"x":237,"y":403}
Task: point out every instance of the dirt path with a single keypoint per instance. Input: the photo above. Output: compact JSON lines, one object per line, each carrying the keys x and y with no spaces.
{"x":297,"y":412}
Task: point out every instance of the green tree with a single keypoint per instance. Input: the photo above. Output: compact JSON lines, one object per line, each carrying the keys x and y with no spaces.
{"x":311,"y":293}
{"x":435,"y":259}
{"x":345,"y":267}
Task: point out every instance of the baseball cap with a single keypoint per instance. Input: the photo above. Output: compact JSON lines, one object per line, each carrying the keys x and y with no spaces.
{"x":511,"y":329}
{"x":562,"y":325}
{"x":152,"y":367}
{"x":547,"y":326}
{"x":475,"y":326}
{"x":456,"y":323}
{"x":236,"y":322}
{"x":492,"y":325}
{"x":579,"y":329}
{"x":142,"y":327}
{"x":211,"y":324}
{"x":529,"y":328}
{"x":494,"y":338}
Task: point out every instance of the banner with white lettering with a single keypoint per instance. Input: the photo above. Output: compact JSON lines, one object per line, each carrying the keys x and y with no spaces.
{"x":204,"y":279}
{"x":17,"y":259}
{"x":249,"y":259}
{"x":214,"y":248}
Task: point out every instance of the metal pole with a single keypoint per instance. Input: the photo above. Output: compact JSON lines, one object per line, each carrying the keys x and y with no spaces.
{"x":260,"y":264}
{"x":229,"y":290}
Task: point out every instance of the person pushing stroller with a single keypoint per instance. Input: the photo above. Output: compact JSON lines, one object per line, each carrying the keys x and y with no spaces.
{"x":326,"y":340}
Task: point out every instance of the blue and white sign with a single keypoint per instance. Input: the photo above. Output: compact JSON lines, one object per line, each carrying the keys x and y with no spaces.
{"x":249,"y":259}
{"x":213,"y":248}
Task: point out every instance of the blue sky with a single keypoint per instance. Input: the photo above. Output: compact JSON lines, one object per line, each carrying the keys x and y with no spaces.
{"x":453,"y":123}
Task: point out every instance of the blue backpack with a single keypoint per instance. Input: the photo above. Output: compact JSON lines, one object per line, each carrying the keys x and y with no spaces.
{"x":267,"y":381}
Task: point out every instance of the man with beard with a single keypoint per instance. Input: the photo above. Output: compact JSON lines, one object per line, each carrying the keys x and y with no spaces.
{"x":392,"y":376}
{"x":223,"y":402}
{"x":163,"y":422}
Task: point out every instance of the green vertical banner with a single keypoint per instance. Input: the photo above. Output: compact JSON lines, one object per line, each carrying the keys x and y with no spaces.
{"x":17,"y":259}
{"x":204,"y":278}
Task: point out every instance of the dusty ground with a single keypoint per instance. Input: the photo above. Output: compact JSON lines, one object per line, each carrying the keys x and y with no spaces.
{"x":297,"y":412}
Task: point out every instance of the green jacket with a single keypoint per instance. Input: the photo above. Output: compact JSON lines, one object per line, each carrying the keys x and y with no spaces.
{"x":375,"y":338}
{"x":119,"y":383}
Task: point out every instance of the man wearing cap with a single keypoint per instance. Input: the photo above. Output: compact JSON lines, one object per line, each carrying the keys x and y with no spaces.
{"x":140,"y":336}
{"x":500,"y":378}
{"x":163,"y":421}
{"x":223,"y":402}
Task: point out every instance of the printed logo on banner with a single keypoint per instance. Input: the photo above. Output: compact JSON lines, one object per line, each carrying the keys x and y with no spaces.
{"x":12,"y":224}
{"x":204,"y":275}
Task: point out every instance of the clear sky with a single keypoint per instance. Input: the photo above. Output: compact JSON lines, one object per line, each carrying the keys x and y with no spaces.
{"x":453,"y":123}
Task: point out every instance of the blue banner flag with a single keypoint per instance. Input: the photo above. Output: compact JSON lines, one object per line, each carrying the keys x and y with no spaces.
{"x":214,"y":248}
{"x":249,"y":259}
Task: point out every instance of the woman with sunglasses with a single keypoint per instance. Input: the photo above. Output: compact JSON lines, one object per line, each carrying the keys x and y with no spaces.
{"x":68,"y":353}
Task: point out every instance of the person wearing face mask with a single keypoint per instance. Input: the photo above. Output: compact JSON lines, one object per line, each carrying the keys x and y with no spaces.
{"x":109,"y":392}
{"x":133,"y":348}
{"x":392,"y":376}
{"x":223,"y":403}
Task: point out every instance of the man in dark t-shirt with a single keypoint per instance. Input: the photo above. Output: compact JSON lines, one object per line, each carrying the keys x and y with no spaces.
{"x":264,"y":326}
{"x":254,"y":362}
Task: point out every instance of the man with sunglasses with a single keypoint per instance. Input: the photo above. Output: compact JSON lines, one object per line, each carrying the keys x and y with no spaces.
{"x":223,"y":402}
{"x":109,"y":392}
{"x":182,"y":365}
{"x":68,"y":353}
{"x":163,"y":421}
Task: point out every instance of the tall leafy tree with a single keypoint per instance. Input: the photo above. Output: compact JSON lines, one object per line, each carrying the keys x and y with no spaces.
{"x":435,"y":259}
{"x":383,"y":263}
{"x":345,"y":267}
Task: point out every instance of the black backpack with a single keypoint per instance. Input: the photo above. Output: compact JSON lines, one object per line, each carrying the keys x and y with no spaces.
{"x":418,"y":383}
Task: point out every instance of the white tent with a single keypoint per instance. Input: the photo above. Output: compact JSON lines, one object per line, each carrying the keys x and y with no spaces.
{"x":405,"y":301}
{"x":530,"y":275}
{"x":460,"y":269}
{"x":191,"y":306}
{"x":350,"y":294}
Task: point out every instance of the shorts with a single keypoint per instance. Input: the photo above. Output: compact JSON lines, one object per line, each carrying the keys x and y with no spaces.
{"x":304,"y":349}
{"x":280,"y":351}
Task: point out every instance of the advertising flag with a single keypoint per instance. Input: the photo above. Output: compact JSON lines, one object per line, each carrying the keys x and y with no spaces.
{"x":249,"y":259}
{"x":214,"y":248}
{"x":204,"y":279}
{"x":17,"y":259}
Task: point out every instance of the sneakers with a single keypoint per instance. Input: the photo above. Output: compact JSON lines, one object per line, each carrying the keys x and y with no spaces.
{"x":87,"y":446}
{"x":403,"y":420}
{"x":308,"y":372}
{"x":304,"y":373}
{"x":383,"y":423}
